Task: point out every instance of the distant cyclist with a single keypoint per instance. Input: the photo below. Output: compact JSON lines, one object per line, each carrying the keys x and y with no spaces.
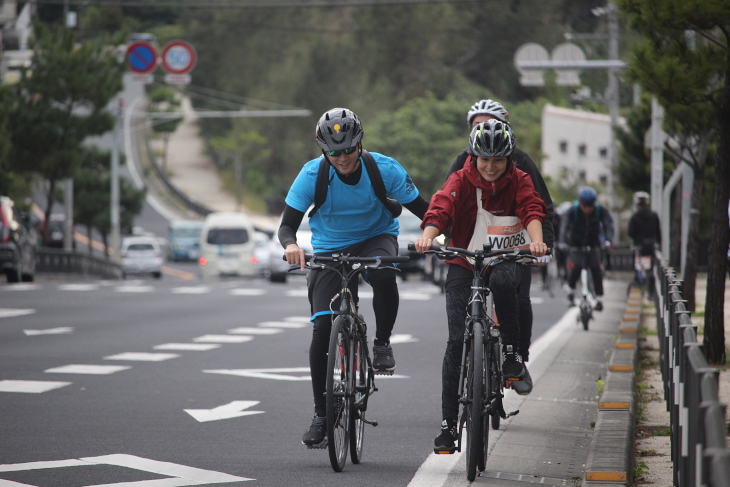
{"x":482,"y":111}
{"x":352,"y":219}
{"x":587,"y":223}
{"x":644,"y":225}
{"x":489,"y":191}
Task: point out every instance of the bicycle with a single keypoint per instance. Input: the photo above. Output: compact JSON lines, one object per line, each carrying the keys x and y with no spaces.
{"x":585,"y":307}
{"x":350,"y":374}
{"x":481,"y":384}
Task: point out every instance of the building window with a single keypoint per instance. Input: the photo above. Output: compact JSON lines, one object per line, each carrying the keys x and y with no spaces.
{"x":582,"y":150}
{"x":563,"y":146}
{"x":582,"y":176}
{"x":603,"y":152}
{"x":603,"y":179}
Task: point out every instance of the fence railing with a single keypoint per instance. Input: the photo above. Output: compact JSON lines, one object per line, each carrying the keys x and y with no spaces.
{"x":697,"y":418}
{"x":64,"y":262}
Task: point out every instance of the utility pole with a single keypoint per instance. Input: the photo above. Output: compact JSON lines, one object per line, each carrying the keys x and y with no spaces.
{"x":115,"y":184}
{"x":613,"y":108}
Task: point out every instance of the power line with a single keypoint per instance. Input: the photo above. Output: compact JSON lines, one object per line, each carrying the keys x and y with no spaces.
{"x":236,"y":5}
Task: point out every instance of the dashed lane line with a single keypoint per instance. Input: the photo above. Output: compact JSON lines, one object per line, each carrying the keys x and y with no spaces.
{"x":142,"y":356}
{"x":87,"y":369}
{"x":31,"y":386}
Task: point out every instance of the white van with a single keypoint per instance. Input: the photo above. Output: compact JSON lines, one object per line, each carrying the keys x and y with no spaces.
{"x":227,"y":246}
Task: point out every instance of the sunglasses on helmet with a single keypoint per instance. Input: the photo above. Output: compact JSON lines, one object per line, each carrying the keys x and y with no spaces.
{"x":336,"y":153}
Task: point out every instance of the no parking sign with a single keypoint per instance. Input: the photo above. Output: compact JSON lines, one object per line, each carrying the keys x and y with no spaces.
{"x":142,"y":59}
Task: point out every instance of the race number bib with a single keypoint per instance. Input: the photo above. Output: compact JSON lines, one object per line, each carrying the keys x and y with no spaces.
{"x":502,"y":237}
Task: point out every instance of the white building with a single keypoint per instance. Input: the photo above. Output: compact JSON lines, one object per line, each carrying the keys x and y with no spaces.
{"x":575,"y":145}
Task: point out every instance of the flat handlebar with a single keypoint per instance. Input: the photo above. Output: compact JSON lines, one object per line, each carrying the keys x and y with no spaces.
{"x":480,"y":253}
{"x":385,"y":259}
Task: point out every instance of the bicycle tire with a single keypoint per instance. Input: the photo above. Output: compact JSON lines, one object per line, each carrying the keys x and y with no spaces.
{"x":337,"y":398}
{"x":475,"y":406}
{"x":585,"y":314}
{"x":361,"y":380}
{"x":495,"y":385}
{"x":486,"y":395}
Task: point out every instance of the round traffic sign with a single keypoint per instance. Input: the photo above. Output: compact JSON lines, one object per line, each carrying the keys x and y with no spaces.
{"x":178,"y":57}
{"x":141,"y":57}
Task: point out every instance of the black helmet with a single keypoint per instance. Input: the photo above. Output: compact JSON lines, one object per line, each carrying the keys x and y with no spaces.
{"x":492,"y":138}
{"x":338,"y":129}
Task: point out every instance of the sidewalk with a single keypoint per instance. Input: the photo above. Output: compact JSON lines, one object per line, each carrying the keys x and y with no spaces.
{"x":193,"y":173}
{"x":653,"y":449}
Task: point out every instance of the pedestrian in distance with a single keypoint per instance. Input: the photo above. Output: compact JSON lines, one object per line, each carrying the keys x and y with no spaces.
{"x":482,"y":111}
{"x":350,"y":215}
{"x":586,"y":224}
{"x":488,"y":190}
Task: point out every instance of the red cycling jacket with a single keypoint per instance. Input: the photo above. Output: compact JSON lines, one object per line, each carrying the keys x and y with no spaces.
{"x":454,"y":205}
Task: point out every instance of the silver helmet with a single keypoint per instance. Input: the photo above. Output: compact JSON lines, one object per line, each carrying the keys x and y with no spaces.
{"x":487,"y":107}
{"x":338,"y":129}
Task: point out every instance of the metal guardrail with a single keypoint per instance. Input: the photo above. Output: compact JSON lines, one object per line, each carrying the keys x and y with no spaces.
{"x":64,"y":262}
{"x":697,"y":418}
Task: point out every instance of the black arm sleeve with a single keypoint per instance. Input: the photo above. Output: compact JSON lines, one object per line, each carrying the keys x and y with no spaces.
{"x":418,"y":207}
{"x":525,"y":163}
{"x":290,"y":221}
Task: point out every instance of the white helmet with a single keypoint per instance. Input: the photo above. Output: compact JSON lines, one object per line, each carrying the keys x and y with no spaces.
{"x":641,"y":197}
{"x":487,"y":107}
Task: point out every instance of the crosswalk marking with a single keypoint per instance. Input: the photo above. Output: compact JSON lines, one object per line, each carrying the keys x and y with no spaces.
{"x":247,"y":292}
{"x":223,"y":339}
{"x":190,"y":290}
{"x":247,"y":330}
{"x":281,"y":324}
{"x":10,"y":312}
{"x":78,"y":287}
{"x":87,"y":369}
{"x":134,"y":289}
{"x":30,"y":386}
{"x":50,"y":331}
{"x":200,"y":347}
{"x":142,"y":356}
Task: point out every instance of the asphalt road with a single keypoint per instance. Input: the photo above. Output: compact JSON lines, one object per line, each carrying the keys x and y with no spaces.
{"x":124,"y":389}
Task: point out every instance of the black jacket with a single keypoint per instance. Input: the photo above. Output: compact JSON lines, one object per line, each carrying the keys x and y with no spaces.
{"x":644,"y":230}
{"x":578,"y":230}
{"x":523,"y":162}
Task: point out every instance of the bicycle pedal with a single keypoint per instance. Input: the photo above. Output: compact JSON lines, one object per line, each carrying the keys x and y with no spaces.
{"x":513,"y":413}
{"x":444,"y":451}
{"x":317,"y":446}
{"x":383,"y":372}
{"x":371,"y":423}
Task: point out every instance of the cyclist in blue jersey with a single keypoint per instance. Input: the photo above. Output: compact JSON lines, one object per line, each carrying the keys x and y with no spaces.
{"x":352,"y":219}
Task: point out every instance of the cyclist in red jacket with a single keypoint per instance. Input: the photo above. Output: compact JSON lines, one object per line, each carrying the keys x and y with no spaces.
{"x":488,"y":201}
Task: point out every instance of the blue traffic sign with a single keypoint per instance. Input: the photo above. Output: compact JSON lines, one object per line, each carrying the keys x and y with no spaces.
{"x":141,"y":57}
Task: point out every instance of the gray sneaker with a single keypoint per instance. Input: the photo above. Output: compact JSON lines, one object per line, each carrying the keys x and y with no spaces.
{"x":383,"y":361}
{"x":523,"y":386}
{"x":316,"y":435}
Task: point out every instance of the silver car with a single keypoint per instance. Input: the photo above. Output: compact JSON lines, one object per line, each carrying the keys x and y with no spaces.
{"x":141,"y":255}
{"x":278,"y":267}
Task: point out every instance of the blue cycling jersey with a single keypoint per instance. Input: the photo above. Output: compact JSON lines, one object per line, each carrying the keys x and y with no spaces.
{"x":351,"y":214}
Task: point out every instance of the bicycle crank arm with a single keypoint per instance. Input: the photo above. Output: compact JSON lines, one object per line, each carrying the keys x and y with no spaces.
{"x":371,"y":423}
{"x":513,"y":413}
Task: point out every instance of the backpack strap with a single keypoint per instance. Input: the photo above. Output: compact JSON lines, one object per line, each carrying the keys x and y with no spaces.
{"x":376,"y":179}
{"x":320,"y":189}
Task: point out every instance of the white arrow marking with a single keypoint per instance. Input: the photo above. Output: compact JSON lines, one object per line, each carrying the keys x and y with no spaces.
{"x":50,"y":331}
{"x":402,"y":339}
{"x":233,"y":409}
{"x":10,"y":312}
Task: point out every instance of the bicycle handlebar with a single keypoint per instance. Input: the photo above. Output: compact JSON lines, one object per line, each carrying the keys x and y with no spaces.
{"x":385,"y":259}
{"x":478,"y":253}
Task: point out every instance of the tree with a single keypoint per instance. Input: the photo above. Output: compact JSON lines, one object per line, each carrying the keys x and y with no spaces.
{"x":60,"y":101}
{"x":684,"y":60}
{"x":164,"y":99}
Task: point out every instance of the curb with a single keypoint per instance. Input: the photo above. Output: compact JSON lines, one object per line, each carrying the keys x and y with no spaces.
{"x":610,"y":461}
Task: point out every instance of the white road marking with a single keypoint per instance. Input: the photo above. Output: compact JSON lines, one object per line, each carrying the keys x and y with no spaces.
{"x":21,"y":287}
{"x":246,"y":330}
{"x":142,"y":356}
{"x":297,"y":293}
{"x":537,"y":300}
{"x":201,"y":347}
{"x":282,"y":324}
{"x":134,"y":289}
{"x":87,"y":369}
{"x":298,"y":319}
{"x":402,"y":338}
{"x":413,"y":296}
{"x":78,"y":287}
{"x":435,"y":471}
{"x":233,"y":409}
{"x":181,"y":475}
{"x":30,"y":386}
{"x":282,"y":374}
{"x":50,"y":331}
{"x":190,"y":290}
{"x":11,"y":312}
{"x":247,"y":292}
{"x":223,"y":339}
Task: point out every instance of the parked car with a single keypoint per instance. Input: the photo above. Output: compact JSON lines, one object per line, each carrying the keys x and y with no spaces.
{"x":141,"y":255}
{"x":410,"y":231}
{"x":278,"y":267}
{"x":227,"y":246}
{"x":183,"y":237}
{"x":261,"y":253}
{"x":56,"y":231}
{"x":18,"y":241}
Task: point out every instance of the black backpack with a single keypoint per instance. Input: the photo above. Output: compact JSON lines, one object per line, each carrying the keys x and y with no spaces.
{"x":320,"y":190}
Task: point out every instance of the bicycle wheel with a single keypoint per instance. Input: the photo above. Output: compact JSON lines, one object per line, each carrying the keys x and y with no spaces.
{"x":357,"y":415}
{"x":487,"y":395}
{"x":552,"y":277}
{"x":585,"y":313}
{"x":495,"y":385}
{"x":475,"y":406}
{"x":338,"y":399}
